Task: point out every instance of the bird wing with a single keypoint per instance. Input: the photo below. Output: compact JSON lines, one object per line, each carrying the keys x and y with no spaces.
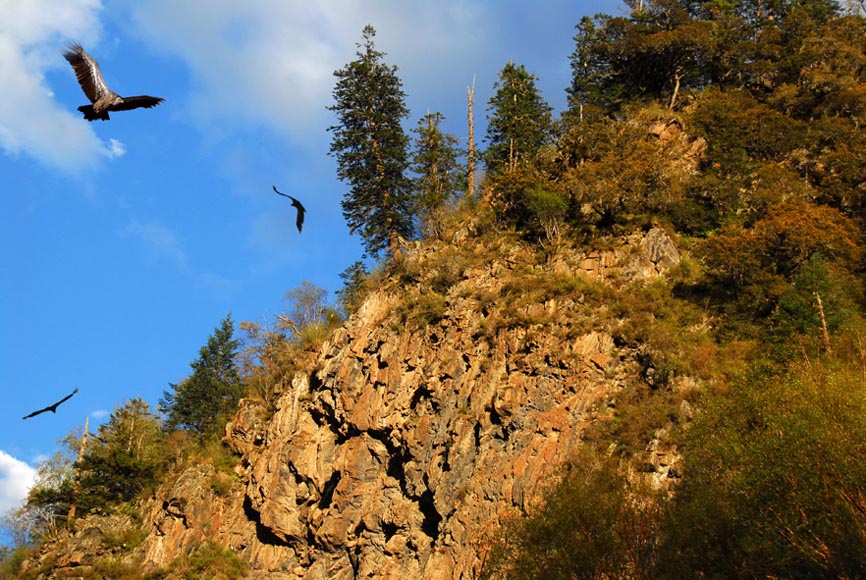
{"x":301,"y":210}
{"x":52,"y":407}
{"x":280,"y":192}
{"x":34,"y":413}
{"x":66,"y":398}
{"x":128,"y":103}
{"x":87,"y":72}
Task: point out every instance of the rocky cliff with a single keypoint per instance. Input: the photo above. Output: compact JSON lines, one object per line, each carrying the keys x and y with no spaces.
{"x":442,"y":407}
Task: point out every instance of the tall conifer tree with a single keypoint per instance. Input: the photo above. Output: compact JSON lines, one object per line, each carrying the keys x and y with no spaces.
{"x":519,"y":120}
{"x":213,"y":390}
{"x":439,"y":174}
{"x":372,"y":149}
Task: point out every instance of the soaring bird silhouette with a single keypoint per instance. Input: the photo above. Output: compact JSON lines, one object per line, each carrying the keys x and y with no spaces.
{"x":301,"y":211}
{"x":52,"y":408}
{"x":102,"y":98}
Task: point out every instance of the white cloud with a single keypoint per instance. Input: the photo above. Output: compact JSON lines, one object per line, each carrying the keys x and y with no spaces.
{"x":116,"y":148}
{"x":157,"y":243}
{"x":16,"y":478}
{"x":31,"y":121}
{"x":272,"y":61}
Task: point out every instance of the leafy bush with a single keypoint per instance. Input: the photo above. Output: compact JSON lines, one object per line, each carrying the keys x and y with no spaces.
{"x":774,"y":484}
{"x":548,"y":208}
{"x":751,"y":269}
{"x":210,"y":561}
{"x":590,"y":525}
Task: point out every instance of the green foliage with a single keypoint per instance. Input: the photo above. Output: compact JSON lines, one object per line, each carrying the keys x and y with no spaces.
{"x":12,"y":559}
{"x":739,"y":128}
{"x":753,"y":268}
{"x":548,"y":208}
{"x":272,"y":355}
{"x":590,"y":525}
{"x":371,"y":149}
{"x":588,"y":68}
{"x":110,"y":477}
{"x":268,"y":359}
{"x":210,"y":561}
{"x":122,"y":460}
{"x":772,"y":487}
{"x":773,"y":483}
{"x":655,"y":54}
{"x":128,"y":537}
{"x":354,"y":278}
{"x":798,"y":313}
{"x":837,"y":169}
{"x":617,"y":177}
{"x":48,"y":501}
{"x":519,"y":123}
{"x":421,"y":309}
{"x":114,"y":568}
{"x":736,"y":124}
{"x":201,"y":402}
{"x":435,"y":162}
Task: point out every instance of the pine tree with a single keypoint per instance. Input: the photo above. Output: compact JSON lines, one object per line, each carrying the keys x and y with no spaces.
{"x":519,"y":120}
{"x":125,"y":458}
{"x":439,"y":174}
{"x":199,"y":402}
{"x":588,"y":68}
{"x":372,"y":149}
{"x":349,"y":297}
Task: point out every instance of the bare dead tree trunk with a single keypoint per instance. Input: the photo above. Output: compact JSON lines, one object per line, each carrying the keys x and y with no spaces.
{"x":823,"y":324}
{"x":470,"y":145}
{"x":289,"y":324}
{"x":677,"y":77}
{"x":77,"y":475}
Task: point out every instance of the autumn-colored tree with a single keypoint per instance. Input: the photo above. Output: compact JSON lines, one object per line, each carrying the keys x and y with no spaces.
{"x":752,"y":268}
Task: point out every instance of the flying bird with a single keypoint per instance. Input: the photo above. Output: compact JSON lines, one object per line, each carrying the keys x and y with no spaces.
{"x":52,"y":408}
{"x":102,"y":98}
{"x":301,"y":211}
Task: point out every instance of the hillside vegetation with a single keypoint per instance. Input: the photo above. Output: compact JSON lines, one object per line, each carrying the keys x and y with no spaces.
{"x":699,"y":209}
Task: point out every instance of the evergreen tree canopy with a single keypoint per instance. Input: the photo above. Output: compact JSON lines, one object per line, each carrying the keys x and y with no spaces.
{"x":123,"y":459}
{"x":350,"y":295}
{"x":439,"y":174}
{"x":372,"y":149}
{"x":201,"y":400}
{"x":519,"y":120}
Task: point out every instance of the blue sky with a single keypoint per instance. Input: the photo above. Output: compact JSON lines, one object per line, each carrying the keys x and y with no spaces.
{"x":123,"y":244}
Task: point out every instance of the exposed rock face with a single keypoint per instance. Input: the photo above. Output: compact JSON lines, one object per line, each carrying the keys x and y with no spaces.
{"x":410,"y":442}
{"x":407,"y":445}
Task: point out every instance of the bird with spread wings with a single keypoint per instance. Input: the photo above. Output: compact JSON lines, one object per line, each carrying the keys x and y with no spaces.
{"x":53,"y":407}
{"x":101,"y":97}
{"x":301,"y":211}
